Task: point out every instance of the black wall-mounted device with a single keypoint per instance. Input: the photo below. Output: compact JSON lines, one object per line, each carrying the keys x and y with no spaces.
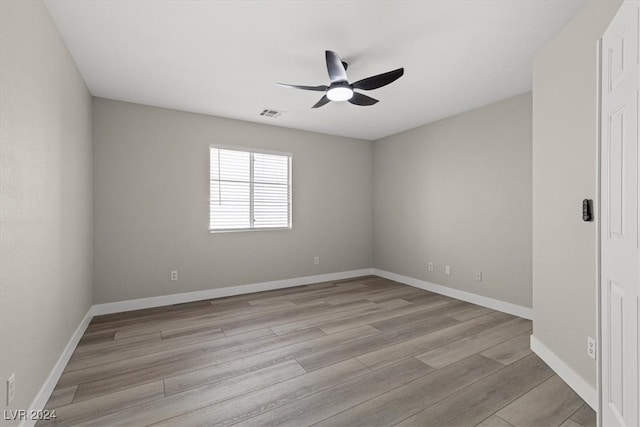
{"x":587,"y":210}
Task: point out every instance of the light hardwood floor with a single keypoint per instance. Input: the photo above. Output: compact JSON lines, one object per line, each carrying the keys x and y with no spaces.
{"x":359,"y":352}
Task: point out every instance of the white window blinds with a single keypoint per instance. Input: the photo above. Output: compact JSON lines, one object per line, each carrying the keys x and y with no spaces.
{"x":249,"y":190}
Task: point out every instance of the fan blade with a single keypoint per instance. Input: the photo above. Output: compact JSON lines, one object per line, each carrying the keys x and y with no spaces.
{"x":323,"y":100}
{"x":378,"y":81}
{"x":335,"y":68}
{"x":360,"y":99}
{"x":321,"y":88}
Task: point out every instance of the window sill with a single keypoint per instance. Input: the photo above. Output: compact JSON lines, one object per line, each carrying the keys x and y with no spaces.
{"x":244,"y":230}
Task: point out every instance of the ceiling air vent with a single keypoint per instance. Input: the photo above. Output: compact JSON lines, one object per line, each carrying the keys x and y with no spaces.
{"x":270,"y":113}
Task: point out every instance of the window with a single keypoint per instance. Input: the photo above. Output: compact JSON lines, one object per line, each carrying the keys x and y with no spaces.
{"x":249,"y":190}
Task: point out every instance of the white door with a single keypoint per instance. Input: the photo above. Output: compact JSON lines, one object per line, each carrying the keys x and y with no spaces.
{"x":619,"y":220}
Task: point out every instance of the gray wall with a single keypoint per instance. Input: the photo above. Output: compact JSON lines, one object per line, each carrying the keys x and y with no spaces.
{"x":565,"y":147}
{"x":151,"y":204}
{"x":46,"y":201}
{"x":458,"y":192}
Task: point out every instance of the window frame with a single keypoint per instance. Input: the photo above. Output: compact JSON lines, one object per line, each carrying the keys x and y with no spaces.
{"x":251,"y":151}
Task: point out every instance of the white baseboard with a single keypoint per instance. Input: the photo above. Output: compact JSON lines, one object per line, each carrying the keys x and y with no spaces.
{"x":137,"y":304}
{"x":50,"y":383}
{"x":506,"y":307}
{"x":587,"y":392}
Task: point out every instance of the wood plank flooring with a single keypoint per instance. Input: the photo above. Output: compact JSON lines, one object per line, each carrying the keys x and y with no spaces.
{"x":359,"y":352}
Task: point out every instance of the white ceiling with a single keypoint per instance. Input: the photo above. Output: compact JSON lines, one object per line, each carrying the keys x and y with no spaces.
{"x":224,"y":57}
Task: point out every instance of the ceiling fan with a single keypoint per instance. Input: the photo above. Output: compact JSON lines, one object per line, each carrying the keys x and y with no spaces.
{"x":341,"y":90}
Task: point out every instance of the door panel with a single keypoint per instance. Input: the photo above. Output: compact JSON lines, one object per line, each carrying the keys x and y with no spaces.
{"x":620,"y":241}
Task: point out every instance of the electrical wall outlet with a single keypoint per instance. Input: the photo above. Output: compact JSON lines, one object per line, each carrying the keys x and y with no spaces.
{"x":447,"y":270}
{"x":174,"y":275}
{"x":478,"y":276}
{"x":591,"y":348}
{"x":430,"y":266}
{"x":11,"y":388}
{"x":316,"y":260}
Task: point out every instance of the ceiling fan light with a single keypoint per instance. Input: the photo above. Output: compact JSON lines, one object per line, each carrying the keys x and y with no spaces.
{"x":341,"y":93}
